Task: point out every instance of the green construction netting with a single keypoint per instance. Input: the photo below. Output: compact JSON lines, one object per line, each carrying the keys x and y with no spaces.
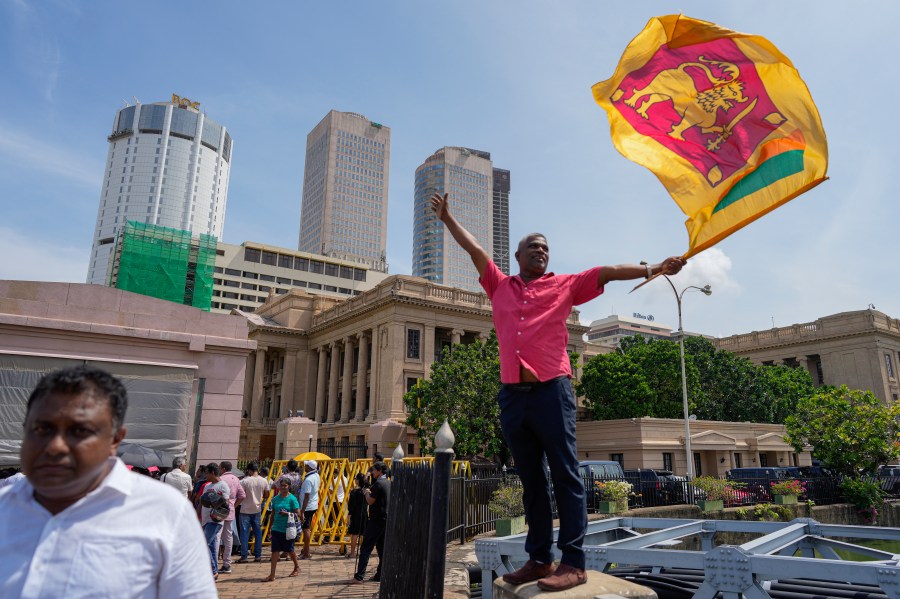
{"x":166,"y":263}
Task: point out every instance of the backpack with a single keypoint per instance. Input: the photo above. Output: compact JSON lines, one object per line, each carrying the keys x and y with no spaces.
{"x":218,"y":505}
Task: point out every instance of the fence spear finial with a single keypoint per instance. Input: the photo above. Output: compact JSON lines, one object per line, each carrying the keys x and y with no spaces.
{"x":444,"y":439}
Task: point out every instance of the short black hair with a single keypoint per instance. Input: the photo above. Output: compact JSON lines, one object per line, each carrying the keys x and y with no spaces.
{"x":225,"y":465}
{"x":76,"y":380}
{"x":360,"y":479}
{"x":379,"y":457}
{"x":212,"y":468}
{"x":380,"y":466}
{"x":264,"y":471}
{"x":292,"y":465}
{"x":252,"y":467}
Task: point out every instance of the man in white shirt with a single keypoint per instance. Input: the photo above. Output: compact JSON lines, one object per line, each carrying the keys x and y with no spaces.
{"x":256,"y":488}
{"x":309,"y":503}
{"x":81,"y":524}
{"x":178,"y":477}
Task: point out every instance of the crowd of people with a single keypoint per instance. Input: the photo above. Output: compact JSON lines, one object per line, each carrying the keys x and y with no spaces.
{"x":76,"y":510}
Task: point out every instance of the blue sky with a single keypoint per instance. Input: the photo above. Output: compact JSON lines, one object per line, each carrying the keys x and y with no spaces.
{"x":512,"y":78}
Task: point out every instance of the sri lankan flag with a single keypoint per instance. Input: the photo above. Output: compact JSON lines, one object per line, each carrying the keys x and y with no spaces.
{"x":722,"y":118}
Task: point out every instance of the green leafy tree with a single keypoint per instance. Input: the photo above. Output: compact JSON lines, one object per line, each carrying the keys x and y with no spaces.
{"x":851,"y":431}
{"x":643,"y":378}
{"x":463,"y":390}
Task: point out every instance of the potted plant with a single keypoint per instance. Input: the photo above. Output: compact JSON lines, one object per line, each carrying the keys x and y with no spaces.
{"x":717,"y":490}
{"x":787,"y":491}
{"x":506,"y":504}
{"x":614,"y":495}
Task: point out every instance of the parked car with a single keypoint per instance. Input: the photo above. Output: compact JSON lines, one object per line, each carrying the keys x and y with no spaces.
{"x":757,"y":481}
{"x":601,"y":469}
{"x":598,"y":470}
{"x":889,"y":479}
{"x":656,"y":487}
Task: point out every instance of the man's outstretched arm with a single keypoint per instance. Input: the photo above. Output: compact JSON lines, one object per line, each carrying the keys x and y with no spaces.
{"x":627,"y":272}
{"x":480,"y":258}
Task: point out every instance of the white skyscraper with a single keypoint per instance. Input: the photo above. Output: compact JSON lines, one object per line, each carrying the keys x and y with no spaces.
{"x":168,"y":165}
{"x":345,"y":189}
{"x":467,"y":175}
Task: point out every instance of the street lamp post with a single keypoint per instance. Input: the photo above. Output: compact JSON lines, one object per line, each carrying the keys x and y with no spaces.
{"x":688,"y":454}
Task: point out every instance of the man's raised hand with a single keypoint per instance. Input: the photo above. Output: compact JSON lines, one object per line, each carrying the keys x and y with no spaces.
{"x":439,"y":205}
{"x":672,"y":265}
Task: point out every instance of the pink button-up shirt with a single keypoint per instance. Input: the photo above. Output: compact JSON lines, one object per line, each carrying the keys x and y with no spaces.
{"x":531,"y":319}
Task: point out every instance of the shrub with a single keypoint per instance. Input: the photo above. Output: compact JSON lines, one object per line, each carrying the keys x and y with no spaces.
{"x":506,"y":502}
{"x":614,"y":490}
{"x":716,"y":488}
{"x":788,"y":487}
{"x":864,"y":495}
{"x":765,"y":512}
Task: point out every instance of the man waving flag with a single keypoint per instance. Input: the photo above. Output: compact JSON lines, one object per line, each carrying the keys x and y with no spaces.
{"x":722,"y":118}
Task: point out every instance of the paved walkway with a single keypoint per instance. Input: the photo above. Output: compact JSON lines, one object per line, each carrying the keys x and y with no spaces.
{"x":327,"y":574}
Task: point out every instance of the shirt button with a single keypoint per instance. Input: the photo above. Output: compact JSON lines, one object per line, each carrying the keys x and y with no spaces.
{"x":526,"y":301}
{"x":520,"y":332}
{"x":517,"y":351}
{"x":522,"y":318}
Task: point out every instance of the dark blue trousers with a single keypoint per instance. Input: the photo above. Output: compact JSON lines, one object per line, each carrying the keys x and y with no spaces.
{"x":539,"y":421}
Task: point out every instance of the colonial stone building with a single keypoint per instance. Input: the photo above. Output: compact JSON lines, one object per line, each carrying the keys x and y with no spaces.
{"x":859,"y":349}
{"x":659,"y":443}
{"x":347,"y":363}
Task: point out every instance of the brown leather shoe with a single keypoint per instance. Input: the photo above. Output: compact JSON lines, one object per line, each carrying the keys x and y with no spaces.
{"x":532,"y":570}
{"x":565,"y":577}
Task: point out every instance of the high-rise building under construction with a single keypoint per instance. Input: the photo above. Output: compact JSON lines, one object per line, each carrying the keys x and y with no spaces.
{"x":168,"y":165}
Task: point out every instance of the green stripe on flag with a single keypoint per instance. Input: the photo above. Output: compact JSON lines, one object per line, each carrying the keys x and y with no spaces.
{"x":775,"y":168}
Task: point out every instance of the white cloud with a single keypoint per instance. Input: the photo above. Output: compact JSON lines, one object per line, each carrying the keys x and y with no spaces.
{"x":711,"y":267}
{"x":33,"y":259}
{"x":22,"y":150}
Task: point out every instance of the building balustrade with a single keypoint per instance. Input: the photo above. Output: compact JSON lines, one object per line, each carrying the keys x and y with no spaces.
{"x":404,"y":288}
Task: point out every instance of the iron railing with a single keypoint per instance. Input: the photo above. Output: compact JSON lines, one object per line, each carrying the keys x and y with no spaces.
{"x":342,"y":449}
{"x":469,"y":497}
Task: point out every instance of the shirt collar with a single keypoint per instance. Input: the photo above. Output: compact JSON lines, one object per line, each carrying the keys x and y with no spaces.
{"x":521,"y":281}
{"x":118,"y":479}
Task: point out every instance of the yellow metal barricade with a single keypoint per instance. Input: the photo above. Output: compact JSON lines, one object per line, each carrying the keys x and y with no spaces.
{"x":337,"y":479}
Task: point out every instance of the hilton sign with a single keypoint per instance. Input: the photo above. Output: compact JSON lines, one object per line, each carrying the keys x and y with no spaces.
{"x":184,"y":102}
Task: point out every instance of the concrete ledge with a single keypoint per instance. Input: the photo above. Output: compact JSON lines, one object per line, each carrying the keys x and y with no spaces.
{"x":598,"y":585}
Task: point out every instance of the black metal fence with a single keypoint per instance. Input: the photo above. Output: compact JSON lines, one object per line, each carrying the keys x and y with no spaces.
{"x":469,"y":498}
{"x":342,"y":449}
{"x":406,"y":535}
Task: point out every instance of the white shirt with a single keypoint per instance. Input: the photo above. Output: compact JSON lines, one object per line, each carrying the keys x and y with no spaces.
{"x":178,"y":479}
{"x":11,"y":480}
{"x":129,"y":537}
{"x":311,"y":486}
{"x":220,"y":487}
{"x":256,"y":488}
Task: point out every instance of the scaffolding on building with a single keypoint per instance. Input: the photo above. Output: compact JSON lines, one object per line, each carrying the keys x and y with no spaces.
{"x":165,"y":263}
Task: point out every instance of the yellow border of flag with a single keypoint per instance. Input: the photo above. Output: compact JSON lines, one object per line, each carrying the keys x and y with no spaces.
{"x":791,"y":160}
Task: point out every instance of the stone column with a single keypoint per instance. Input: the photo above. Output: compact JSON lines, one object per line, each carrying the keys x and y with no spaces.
{"x":333,"y":383}
{"x":456,"y":336}
{"x":347,"y":387}
{"x":374,"y":379}
{"x":482,"y":336}
{"x":258,"y":372}
{"x":428,"y":349}
{"x":320,"y":385}
{"x":287,"y":382}
{"x":361,"y":375}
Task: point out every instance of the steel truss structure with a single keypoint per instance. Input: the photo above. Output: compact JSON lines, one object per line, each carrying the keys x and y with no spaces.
{"x":802,"y":548}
